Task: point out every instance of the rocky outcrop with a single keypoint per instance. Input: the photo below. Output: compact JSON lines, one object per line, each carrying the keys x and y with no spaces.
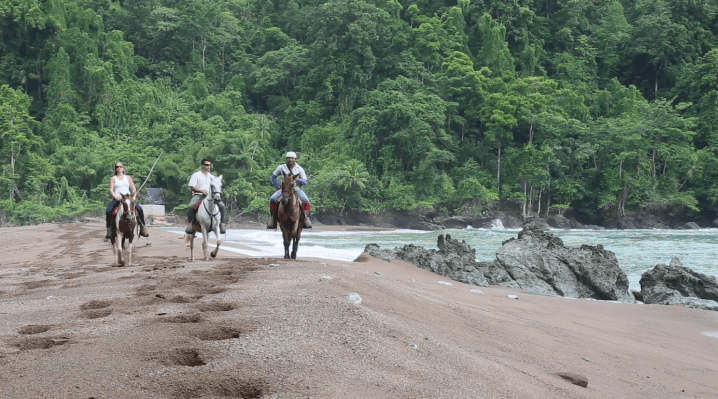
{"x":454,"y":259}
{"x":539,"y":224}
{"x":691,"y":226}
{"x":376,"y":251}
{"x":537,"y":262}
{"x":540,"y":263}
{"x":675,"y":284}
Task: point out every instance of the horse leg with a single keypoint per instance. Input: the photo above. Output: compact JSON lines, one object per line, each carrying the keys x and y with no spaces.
{"x":295,"y":242}
{"x":204,"y":242}
{"x":191,"y":247}
{"x":129,"y":250}
{"x":118,"y":250}
{"x":287,"y":240}
{"x":219,"y":242}
{"x":114,"y":249}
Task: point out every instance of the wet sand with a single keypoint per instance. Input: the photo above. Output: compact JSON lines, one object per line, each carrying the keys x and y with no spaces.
{"x":73,"y":325}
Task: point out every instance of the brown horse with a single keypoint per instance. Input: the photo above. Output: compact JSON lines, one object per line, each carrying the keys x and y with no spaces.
{"x":289,"y":215}
{"x":125,"y":223}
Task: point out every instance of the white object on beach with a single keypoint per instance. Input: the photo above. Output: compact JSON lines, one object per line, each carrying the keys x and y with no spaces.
{"x":513,"y":296}
{"x":377,"y":273}
{"x":326,"y":278}
{"x":354,"y":298}
{"x":445,"y":283}
{"x":413,"y":345}
{"x":50,"y":297}
{"x":477,"y":291}
{"x":273,"y":265}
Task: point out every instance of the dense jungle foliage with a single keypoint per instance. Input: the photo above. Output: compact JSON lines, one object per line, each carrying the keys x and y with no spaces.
{"x":598,"y":105}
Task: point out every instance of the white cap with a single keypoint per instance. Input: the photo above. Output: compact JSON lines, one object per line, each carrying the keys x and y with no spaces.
{"x":291,"y":154}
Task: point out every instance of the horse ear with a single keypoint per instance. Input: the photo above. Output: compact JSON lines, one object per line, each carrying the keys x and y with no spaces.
{"x":219,"y":178}
{"x":296,"y":177}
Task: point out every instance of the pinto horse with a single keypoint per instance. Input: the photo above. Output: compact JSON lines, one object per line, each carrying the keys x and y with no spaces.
{"x":125,"y":223}
{"x":289,"y":215}
{"x":207,"y":220}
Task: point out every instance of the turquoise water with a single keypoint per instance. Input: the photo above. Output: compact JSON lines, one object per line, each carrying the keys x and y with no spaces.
{"x":636,"y":250}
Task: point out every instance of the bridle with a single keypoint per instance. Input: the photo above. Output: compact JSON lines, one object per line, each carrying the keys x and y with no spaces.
{"x":286,"y":197}
{"x":128,"y":211}
{"x":211,"y":198}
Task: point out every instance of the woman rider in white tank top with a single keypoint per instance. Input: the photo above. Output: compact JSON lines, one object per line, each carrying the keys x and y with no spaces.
{"x":121,"y":184}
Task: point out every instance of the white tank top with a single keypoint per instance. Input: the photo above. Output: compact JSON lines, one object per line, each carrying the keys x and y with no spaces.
{"x":122,"y":186}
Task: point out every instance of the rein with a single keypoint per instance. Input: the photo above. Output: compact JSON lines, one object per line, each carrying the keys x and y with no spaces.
{"x":211,"y":215}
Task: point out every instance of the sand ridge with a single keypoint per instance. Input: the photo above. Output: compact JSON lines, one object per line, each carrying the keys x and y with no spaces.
{"x":74,"y":326}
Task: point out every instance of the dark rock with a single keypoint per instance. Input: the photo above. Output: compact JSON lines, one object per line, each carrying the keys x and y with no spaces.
{"x":540,"y":263}
{"x":539,"y":223}
{"x":537,"y":262}
{"x":376,"y":251}
{"x":455,"y":222}
{"x":454,"y":259}
{"x":559,"y":222}
{"x":636,"y":294}
{"x":575,"y":379}
{"x":715,"y":222}
{"x":594,"y":227}
{"x":678,"y":285}
{"x":497,"y":275}
{"x":691,"y":226}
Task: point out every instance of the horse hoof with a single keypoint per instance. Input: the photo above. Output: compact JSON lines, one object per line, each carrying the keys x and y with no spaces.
{"x":213,"y":255}
{"x":286,"y":256}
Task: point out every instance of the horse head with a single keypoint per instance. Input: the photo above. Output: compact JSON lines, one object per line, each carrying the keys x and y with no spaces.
{"x":288,"y":183}
{"x":128,"y":207}
{"x":216,"y":187}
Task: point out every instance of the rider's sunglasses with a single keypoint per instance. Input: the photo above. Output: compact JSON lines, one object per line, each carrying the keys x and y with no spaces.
{"x":206,"y":164}
{"x":118,"y":166}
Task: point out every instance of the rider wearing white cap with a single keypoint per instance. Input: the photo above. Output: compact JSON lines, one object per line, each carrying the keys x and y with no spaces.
{"x":284,"y":169}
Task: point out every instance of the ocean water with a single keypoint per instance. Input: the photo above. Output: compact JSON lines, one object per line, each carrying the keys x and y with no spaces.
{"x":636,"y":250}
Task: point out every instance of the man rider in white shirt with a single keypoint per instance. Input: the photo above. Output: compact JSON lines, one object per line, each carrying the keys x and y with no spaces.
{"x":200,"y":184}
{"x":284,"y":169}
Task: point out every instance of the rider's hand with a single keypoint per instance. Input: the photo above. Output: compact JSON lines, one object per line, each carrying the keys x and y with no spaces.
{"x":276,"y":187}
{"x":205,"y":192}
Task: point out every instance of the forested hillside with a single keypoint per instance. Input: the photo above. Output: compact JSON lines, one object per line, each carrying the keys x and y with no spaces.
{"x":598,"y":105}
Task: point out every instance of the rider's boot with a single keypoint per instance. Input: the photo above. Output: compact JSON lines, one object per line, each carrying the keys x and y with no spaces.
{"x":108,"y":223}
{"x":272,"y":225}
{"x":307,"y":223}
{"x":143,"y":226}
{"x":223,"y":224}
{"x":190,"y":220}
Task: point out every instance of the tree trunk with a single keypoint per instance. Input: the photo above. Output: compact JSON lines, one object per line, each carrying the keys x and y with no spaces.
{"x":523,"y":206}
{"x":531,"y":133}
{"x":654,"y":163}
{"x":538,"y":211}
{"x":498,"y":170}
{"x":531,"y":198}
{"x":548,"y":196}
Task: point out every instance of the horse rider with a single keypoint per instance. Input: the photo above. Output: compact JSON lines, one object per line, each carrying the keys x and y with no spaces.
{"x":284,"y":169}
{"x":200,"y":184}
{"x":121,"y":184}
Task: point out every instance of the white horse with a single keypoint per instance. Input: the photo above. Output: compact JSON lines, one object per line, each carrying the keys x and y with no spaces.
{"x":125,"y":224}
{"x":208,"y":219}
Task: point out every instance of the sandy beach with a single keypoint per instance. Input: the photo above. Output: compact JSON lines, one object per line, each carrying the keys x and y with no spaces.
{"x":73,"y":325}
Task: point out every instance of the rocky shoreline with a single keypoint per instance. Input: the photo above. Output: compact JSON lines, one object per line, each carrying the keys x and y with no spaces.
{"x":654,"y":216}
{"x":539,"y":263}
